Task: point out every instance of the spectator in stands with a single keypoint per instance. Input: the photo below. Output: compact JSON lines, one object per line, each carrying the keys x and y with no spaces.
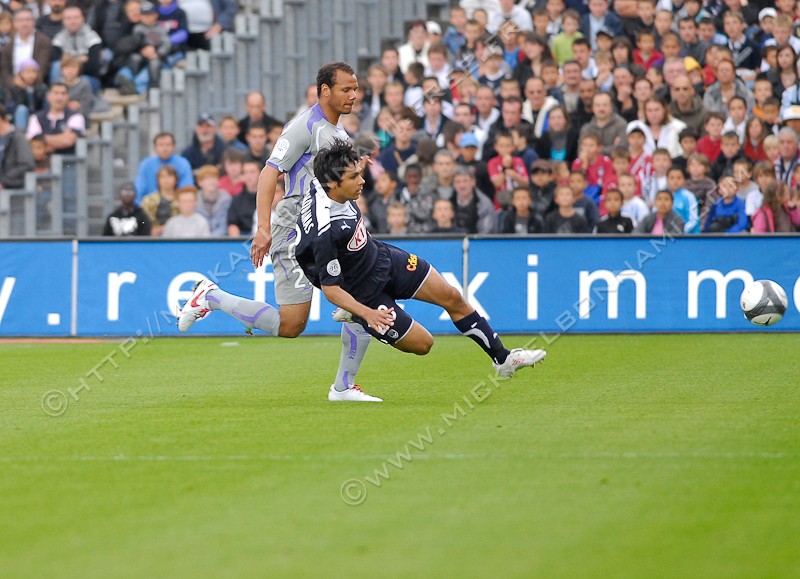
{"x":243,"y":207}
{"x":128,"y":219}
{"x":614,"y":221}
{"x":229,"y":132}
{"x":492,"y":69}
{"x":663,"y":221}
{"x":606,"y":124}
{"x":81,"y":97}
{"x":542,"y":187}
{"x":16,"y":156}
{"x":506,"y":171}
{"x":519,"y":218}
{"x":435,"y":125}
{"x":726,"y":87}
{"x":26,"y":44}
{"x":474,"y":211}
{"x":257,"y":140}
{"x":386,"y":194}
{"x":206,"y":147}
{"x":685,"y":105}
{"x":418,"y":202}
{"x":212,"y":201}
{"x":416,"y":49}
{"x":77,"y":39}
{"x":164,"y":146}
{"x":683,"y":201}
{"x":176,"y":22}
{"x":397,"y":153}
{"x":510,"y":119}
{"x":256,"y":107}
{"x":60,"y":126}
{"x":390,"y":61}
{"x":28,"y":95}
{"x":584,"y":205}
{"x":440,"y":182}
{"x":188,"y":223}
{"x":397,"y":218}
{"x":487,"y":112}
{"x":633,"y":206}
{"x":162,"y":202}
{"x":537,"y":106}
{"x":373,"y":95}
{"x":232,"y":180}
{"x":438,"y":66}
{"x":596,"y":167}
{"x":788,"y":156}
{"x":51,"y":24}
{"x":565,"y":220}
{"x":444,"y":218}
{"x":6,"y":31}
{"x":660,"y":130}
{"x":508,"y":10}
{"x":599,"y":18}
{"x":731,"y":151}
{"x":206,"y":19}
{"x":779,"y":211}
{"x":726,"y":214}
{"x":699,"y":182}
{"x":150,"y":48}
{"x":562,"y":42}
{"x":468,"y":157}
{"x":454,"y":37}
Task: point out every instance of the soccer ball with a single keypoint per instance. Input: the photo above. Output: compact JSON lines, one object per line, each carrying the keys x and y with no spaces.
{"x":763,"y":302}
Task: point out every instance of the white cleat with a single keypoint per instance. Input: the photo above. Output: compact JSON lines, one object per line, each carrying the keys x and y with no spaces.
{"x":519,"y":358}
{"x":352,"y":394}
{"x":196,"y":306}
{"x":340,"y":315}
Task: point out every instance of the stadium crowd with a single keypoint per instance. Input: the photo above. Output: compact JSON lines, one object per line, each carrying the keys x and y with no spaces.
{"x":545,"y":116}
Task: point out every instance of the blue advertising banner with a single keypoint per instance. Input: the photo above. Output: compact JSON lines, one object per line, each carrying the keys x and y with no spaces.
{"x":125,"y":287}
{"x":522,"y":285}
{"x":632,"y":284}
{"x":35,"y":288}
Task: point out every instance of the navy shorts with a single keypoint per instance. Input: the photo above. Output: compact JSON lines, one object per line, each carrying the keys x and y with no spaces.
{"x":407,"y":273}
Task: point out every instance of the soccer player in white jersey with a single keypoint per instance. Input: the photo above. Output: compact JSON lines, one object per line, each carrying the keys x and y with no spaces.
{"x":292,"y":155}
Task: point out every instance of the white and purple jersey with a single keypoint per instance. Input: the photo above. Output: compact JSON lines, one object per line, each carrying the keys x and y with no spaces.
{"x":294,"y":153}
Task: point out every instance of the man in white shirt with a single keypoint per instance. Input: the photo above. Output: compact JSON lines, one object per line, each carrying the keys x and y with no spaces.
{"x":510,"y":11}
{"x":416,"y":49}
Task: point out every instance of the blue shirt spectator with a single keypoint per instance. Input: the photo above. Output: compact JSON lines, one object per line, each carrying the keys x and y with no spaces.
{"x":146,"y":178}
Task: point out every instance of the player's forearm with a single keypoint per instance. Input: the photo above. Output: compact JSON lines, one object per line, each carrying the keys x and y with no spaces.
{"x":339,"y":297}
{"x":267,"y":183}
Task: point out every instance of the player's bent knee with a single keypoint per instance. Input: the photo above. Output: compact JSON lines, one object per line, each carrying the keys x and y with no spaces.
{"x":291,"y":328}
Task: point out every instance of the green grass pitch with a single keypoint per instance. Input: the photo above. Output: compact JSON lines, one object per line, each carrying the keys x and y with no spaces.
{"x":620,"y":456}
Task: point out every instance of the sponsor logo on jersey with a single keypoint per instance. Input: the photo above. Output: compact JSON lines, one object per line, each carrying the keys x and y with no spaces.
{"x":359,"y":239}
{"x":334,"y":268}
{"x":280,"y":149}
{"x":413,"y":260}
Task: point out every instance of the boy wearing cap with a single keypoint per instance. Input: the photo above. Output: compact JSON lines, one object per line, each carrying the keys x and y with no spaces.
{"x":153,"y":46}
{"x":468,"y":157}
{"x":28,"y":95}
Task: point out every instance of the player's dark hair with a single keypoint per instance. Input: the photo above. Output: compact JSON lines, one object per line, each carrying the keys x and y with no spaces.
{"x":327,"y":74}
{"x":331,"y":162}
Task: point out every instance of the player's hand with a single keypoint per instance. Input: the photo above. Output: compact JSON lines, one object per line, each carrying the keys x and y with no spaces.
{"x":260,"y":247}
{"x":380,"y":320}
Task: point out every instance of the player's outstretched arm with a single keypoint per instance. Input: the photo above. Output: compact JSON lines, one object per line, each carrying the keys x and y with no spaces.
{"x":379,"y":320}
{"x":267,"y":183}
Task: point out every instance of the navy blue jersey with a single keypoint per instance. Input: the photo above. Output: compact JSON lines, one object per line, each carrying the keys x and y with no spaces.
{"x":334,"y":248}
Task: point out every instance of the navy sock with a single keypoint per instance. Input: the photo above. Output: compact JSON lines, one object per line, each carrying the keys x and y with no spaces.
{"x":478,"y":329}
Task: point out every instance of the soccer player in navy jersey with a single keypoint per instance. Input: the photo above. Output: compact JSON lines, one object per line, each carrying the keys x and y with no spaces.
{"x":364,"y":276}
{"x":292,"y":155}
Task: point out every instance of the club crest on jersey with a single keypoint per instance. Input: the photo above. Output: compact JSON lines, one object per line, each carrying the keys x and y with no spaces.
{"x":359,"y":239}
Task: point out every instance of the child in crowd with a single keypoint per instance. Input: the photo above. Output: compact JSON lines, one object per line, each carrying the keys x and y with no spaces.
{"x":699,"y":183}
{"x":645,"y":53}
{"x":726,"y":214}
{"x":746,"y":189}
{"x":583,"y":205}
{"x":519,"y":218}
{"x":28,"y":95}
{"x":664,"y":220}
{"x":771,"y":149}
{"x":505,"y":170}
{"x":633,"y":206}
{"x":641,"y":165}
{"x":688,"y":141}
{"x":598,"y":168}
{"x":710,"y":144}
{"x":731,"y":150}
{"x":737,"y":117}
{"x":662,"y":163}
{"x":614,"y":221}
{"x":564,"y":220}
{"x":684,"y":203}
